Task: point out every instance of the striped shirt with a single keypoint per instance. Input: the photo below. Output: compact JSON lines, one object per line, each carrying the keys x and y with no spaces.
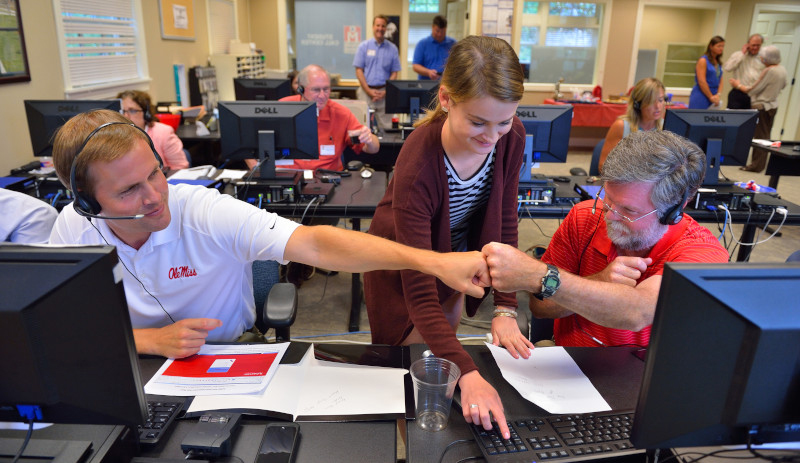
{"x":466,"y":197}
{"x":581,"y":246}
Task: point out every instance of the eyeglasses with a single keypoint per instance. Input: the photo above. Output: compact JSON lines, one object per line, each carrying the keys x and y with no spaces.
{"x":319,"y":89}
{"x":131,"y":112}
{"x":608,"y":209}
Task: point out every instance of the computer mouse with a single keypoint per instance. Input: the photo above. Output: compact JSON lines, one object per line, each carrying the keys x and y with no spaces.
{"x":366,"y":173}
{"x":796,"y":148}
{"x":355,"y":165}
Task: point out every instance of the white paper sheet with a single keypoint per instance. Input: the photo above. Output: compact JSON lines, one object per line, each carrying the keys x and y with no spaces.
{"x":318,"y":388}
{"x":218,"y":382}
{"x":551,"y":379}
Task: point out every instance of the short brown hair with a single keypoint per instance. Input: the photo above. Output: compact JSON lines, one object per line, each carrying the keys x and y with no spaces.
{"x":143,"y":100}
{"x":106,"y":145}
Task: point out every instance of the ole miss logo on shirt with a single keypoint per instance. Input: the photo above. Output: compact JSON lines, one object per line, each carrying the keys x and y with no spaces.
{"x":181,"y":272}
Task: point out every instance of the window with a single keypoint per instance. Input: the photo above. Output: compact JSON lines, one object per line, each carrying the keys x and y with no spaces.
{"x":101,"y":45}
{"x":423,"y":6}
{"x":560,"y":39}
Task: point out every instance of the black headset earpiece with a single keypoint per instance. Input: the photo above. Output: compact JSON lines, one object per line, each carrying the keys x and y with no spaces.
{"x":637,"y":105}
{"x":148,"y":116}
{"x":86,"y":205}
{"x":301,"y":90}
{"x":675,"y":213}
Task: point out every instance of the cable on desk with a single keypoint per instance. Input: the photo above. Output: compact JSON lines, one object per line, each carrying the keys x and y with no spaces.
{"x":758,"y":240}
{"x":453,"y":444}
{"x":25,"y":442}
{"x":349,"y":201}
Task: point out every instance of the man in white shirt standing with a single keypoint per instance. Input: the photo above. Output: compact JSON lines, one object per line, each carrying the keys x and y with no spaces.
{"x":746,"y":66}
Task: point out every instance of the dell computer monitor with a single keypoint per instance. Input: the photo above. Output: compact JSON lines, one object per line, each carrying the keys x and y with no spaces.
{"x":46,"y":116}
{"x":410,"y":96}
{"x":724,"y":136}
{"x":723,"y":365}
{"x":65,"y":338}
{"x":268,"y":131}
{"x":547,"y":129}
{"x":261,"y":89}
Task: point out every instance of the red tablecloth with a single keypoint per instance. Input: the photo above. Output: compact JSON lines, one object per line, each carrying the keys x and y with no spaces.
{"x":593,"y":115}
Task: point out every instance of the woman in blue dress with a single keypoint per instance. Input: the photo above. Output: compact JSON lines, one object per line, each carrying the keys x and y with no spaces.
{"x":708,"y":76}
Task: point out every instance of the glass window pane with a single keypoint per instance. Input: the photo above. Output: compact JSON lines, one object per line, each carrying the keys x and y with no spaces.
{"x":561,"y":40}
{"x":530,"y":8}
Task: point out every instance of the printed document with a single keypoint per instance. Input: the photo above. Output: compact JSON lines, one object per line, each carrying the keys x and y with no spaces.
{"x":219,"y":369}
{"x":551,"y":379}
{"x":317,"y":390}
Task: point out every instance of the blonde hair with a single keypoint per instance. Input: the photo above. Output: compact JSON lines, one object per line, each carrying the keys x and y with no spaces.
{"x":644,"y":93}
{"x":479,"y":66}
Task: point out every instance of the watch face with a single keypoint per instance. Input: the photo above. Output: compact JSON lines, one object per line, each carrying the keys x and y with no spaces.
{"x":550,"y":283}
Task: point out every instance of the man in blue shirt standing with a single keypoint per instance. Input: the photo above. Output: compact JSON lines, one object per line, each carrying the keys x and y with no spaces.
{"x":431,"y":52}
{"x":377,"y":60}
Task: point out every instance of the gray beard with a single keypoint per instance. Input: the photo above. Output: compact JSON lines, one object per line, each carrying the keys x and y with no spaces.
{"x":624,"y":238}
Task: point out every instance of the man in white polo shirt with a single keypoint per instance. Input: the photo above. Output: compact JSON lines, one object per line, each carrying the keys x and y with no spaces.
{"x":188,"y":250}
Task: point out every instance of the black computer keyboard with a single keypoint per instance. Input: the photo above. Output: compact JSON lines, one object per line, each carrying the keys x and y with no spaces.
{"x":565,"y":438}
{"x":160,"y":415}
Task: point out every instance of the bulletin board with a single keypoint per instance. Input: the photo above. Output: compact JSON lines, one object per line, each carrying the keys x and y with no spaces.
{"x":177,"y":19}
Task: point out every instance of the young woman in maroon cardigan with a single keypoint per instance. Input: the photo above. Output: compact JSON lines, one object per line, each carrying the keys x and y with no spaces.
{"x":455,"y":189}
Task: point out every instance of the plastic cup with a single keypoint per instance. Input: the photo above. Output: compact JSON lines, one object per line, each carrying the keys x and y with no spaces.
{"x":434,"y":383}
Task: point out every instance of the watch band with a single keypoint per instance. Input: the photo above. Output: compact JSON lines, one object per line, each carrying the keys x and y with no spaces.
{"x":551,"y":281}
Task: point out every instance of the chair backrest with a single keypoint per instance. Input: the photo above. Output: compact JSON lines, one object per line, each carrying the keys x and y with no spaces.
{"x":593,"y":166}
{"x":265,"y":274}
{"x":794,"y":257}
{"x":359,"y":109}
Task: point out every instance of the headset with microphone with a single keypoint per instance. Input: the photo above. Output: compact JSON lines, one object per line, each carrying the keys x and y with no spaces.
{"x":87,"y":206}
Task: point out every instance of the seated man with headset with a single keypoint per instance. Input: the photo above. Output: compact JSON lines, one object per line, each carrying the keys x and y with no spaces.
{"x":600,"y":276}
{"x":187,"y":250}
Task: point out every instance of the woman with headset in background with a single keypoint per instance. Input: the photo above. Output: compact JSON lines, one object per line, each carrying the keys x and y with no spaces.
{"x":136,"y":106}
{"x":455,"y":189}
{"x":646,"y":107}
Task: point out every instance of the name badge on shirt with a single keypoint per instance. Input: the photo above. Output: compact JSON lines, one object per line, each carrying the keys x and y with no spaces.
{"x":327,"y":150}
{"x":371,"y":52}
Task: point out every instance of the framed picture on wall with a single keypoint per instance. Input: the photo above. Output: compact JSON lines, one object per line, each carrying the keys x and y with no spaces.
{"x":13,"y":57}
{"x":177,"y":19}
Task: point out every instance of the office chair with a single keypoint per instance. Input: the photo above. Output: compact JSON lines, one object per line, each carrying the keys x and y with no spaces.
{"x":276,"y":303}
{"x":593,"y":165}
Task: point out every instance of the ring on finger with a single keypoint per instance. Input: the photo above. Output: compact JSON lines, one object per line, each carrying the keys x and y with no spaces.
{"x":471,"y":406}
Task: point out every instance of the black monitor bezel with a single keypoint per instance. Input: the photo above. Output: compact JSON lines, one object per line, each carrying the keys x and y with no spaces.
{"x":400,"y":92}
{"x":71,"y":334}
{"x":39,"y":112}
{"x":246,"y":89}
{"x":713,"y":337}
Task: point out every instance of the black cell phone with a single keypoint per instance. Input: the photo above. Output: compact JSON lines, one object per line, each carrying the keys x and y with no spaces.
{"x":279,"y":443}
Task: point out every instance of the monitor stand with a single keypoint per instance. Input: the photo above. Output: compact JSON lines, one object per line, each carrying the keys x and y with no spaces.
{"x":527,"y":164}
{"x":267,"y":174}
{"x":713,"y":161}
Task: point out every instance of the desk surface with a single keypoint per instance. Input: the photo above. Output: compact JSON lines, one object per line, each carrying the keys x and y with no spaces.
{"x":614,"y":371}
{"x":354,"y":197}
{"x":353,"y":442}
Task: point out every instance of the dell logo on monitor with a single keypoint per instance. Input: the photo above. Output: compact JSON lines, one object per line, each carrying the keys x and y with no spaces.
{"x":714,"y":119}
{"x":526,"y":113}
{"x":68,"y":109}
{"x":267,"y":110}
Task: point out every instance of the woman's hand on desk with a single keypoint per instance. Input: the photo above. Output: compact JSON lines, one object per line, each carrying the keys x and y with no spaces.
{"x":477,"y":391}
{"x":177,"y":340}
{"x":506,"y":333}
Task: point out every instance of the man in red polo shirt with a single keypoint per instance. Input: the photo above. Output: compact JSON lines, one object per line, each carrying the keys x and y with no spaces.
{"x":601,"y":274}
{"x":333,"y":122}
